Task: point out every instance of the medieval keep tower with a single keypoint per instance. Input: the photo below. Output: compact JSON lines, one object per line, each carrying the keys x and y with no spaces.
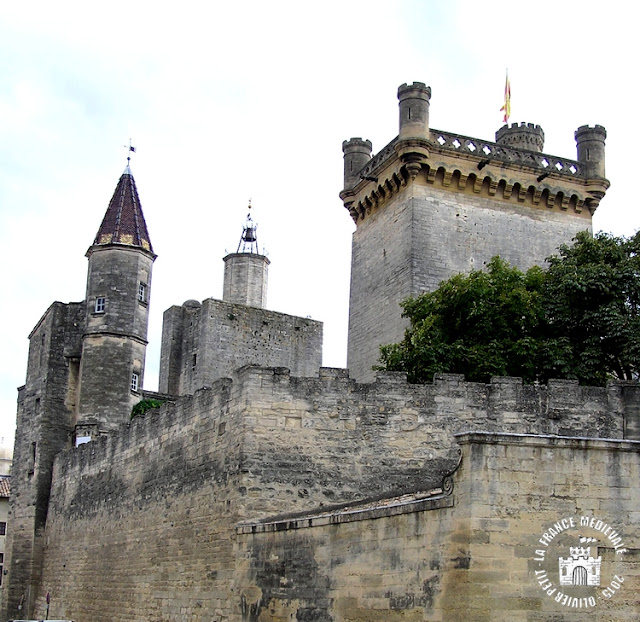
{"x":84,"y":373}
{"x":432,"y":204}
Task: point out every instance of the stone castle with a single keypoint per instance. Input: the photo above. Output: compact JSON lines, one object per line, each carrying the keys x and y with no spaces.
{"x":267,"y":488}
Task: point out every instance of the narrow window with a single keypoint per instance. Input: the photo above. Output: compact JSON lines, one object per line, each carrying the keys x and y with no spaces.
{"x":135,"y":379}
{"x":142,"y":292}
{"x":3,"y":528}
{"x":42,"y":348}
{"x":100,"y":304}
{"x":31,"y":466}
{"x":194,"y":360}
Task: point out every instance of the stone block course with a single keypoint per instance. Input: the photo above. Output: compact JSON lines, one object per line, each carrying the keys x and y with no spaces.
{"x":202,"y":343}
{"x":168,"y":490}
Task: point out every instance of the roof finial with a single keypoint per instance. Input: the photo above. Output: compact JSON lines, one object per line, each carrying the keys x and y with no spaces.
{"x":129,"y":150}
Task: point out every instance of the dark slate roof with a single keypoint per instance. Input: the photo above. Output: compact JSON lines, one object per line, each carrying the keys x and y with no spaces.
{"x":5,"y":485}
{"x":124,"y":222}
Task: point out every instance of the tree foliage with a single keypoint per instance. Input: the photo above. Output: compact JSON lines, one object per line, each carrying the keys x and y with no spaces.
{"x":592,"y":302}
{"x":144,"y":405}
{"x":577,"y":319}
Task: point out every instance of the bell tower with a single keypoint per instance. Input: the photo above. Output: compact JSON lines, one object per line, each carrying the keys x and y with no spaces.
{"x":117,"y":309}
{"x":246,"y":270}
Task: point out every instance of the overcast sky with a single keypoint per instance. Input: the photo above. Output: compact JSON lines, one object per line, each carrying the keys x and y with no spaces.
{"x":230,"y":101}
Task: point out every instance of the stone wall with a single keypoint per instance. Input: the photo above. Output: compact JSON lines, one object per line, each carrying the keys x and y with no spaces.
{"x":141,"y":525}
{"x":204,"y":342}
{"x":472,"y":555}
{"x":426,"y":234}
{"x":313,"y":442}
{"x":44,"y":427}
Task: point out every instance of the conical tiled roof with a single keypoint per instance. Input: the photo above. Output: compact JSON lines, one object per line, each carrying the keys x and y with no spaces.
{"x":124,"y":222}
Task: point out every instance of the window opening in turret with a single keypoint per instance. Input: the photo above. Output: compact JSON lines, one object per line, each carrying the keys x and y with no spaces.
{"x":100,"y":304}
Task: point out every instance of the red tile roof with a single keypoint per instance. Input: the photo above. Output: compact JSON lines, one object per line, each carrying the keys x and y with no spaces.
{"x":5,"y":485}
{"x":124,"y":222}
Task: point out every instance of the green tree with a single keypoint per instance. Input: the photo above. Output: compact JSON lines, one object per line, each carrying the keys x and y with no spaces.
{"x":592,"y":303}
{"x":483,"y":324}
{"x":578,"y":319}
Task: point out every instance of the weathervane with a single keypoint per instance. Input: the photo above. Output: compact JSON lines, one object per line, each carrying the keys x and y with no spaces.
{"x":129,"y":150}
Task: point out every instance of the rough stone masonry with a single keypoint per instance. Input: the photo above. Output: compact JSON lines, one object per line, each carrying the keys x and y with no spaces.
{"x":267,"y":488}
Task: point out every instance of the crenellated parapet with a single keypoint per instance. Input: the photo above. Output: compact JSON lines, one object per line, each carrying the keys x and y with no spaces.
{"x":332,"y":407}
{"x":513,"y":169}
{"x":480,"y":167}
{"x":521,"y":135}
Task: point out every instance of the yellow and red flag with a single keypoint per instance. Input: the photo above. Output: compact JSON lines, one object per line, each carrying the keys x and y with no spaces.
{"x":507,"y":100}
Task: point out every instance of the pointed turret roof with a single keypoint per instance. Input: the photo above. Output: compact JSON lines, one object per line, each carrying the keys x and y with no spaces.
{"x":124,"y":222}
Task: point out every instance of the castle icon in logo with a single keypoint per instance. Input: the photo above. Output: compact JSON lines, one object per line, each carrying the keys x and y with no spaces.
{"x":580,"y":568}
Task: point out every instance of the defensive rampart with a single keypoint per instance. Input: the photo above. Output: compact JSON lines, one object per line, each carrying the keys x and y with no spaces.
{"x":487,"y":551}
{"x":142,"y":525}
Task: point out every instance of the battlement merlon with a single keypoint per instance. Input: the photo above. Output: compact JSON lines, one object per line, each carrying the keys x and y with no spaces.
{"x":513,"y":168}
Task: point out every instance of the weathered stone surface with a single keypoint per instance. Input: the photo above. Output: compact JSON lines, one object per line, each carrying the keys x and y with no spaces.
{"x":245,"y":279}
{"x":474,"y":559}
{"x":151,"y":514}
{"x":425,"y":234}
{"x":44,"y":427}
{"x":204,"y":342}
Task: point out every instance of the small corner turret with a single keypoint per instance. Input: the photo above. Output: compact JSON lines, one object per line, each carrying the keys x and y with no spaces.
{"x":414,"y":110}
{"x":357,"y":153}
{"x":414,"y":140}
{"x":590,"y":144}
{"x":521,"y":136}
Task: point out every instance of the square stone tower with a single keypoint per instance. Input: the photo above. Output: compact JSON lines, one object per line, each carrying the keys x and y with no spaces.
{"x":205,"y":341}
{"x":432,"y":204}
